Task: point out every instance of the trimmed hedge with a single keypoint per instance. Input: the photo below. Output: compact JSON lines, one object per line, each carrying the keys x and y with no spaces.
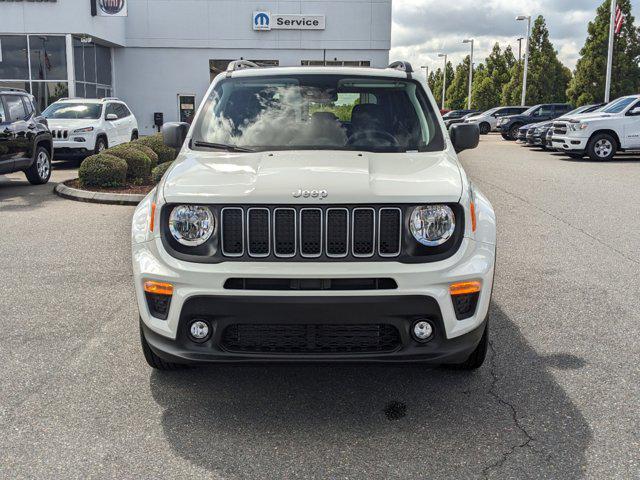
{"x":156,"y":143}
{"x":103,"y":170}
{"x":138,"y":164}
{"x":153,"y":156}
{"x":158,"y":172}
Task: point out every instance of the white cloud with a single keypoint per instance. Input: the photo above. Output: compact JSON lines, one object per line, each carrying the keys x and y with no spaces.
{"x":423,"y":28}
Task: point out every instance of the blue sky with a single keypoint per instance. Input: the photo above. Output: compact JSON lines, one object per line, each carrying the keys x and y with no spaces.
{"x":423,"y":28}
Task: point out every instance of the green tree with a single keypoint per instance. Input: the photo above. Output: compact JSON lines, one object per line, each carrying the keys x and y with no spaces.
{"x":548,"y":78}
{"x":458,"y":89}
{"x":488,"y":87}
{"x":588,"y":83}
{"x":483,"y":90}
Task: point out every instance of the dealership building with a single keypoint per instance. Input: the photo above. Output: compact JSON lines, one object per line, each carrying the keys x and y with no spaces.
{"x":160,"y":56}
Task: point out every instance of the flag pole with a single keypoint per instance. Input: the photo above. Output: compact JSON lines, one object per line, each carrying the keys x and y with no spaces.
{"x":612,"y":21}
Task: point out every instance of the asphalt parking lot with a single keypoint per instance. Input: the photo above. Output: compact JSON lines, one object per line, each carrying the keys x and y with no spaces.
{"x":558,"y":398}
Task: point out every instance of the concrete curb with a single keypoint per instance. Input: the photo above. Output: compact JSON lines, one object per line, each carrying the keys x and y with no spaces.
{"x":69,"y":193}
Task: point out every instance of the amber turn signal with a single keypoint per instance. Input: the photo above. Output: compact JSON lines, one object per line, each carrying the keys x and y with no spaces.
{"x":152,"y":220}
{"x":158,"y":288}
{"x":473,"y":217}
{"x":464,"y":288}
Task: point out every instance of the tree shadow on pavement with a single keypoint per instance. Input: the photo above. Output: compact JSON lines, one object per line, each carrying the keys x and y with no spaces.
{"x":510,"y":419}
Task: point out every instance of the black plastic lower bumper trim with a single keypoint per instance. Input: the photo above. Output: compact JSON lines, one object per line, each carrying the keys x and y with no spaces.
{"x":398,"y":311}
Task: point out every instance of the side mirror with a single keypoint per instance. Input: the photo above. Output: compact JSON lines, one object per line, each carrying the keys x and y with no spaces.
{"x":111,"y":117}
{"x":174,"y":134}
{"x":464,"y":136}
{"x":634,"y":111}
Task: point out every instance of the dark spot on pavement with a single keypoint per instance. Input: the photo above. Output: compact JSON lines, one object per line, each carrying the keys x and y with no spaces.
{"x":395,"y":410}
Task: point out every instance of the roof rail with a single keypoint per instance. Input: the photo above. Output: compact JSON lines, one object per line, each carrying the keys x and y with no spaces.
{"x":103,"y":99}
{"x":240,"y":65}
{"x":402,"y":66}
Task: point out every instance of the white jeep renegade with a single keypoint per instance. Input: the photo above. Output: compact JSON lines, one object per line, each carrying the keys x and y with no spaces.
{"x":85,"y":126}
{"x":315,"y":214}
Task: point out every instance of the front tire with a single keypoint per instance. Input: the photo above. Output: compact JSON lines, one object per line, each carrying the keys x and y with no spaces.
{"x":485,"y":128}
{"x":478,"y":356}
{"x":513,"y":132}
{"x":154,"y":360}
{"x":602,"y":147}
{"x":39,"y":172}
{"x":101,"y":145}
{"x":134,"y":135}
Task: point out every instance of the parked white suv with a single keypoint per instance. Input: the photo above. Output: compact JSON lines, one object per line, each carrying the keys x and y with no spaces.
{"x":315,"y":214}
{"x":601,"y":134}
{"x":488,"y":121}
{"x":86,"y":126}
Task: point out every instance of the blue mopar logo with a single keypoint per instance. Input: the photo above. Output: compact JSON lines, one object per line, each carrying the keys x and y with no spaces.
{"x":261,"y":19}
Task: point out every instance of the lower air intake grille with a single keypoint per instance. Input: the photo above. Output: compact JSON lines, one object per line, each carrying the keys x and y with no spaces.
{"x":310,"y":339}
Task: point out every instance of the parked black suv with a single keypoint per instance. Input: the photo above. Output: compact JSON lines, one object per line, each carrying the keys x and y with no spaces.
{"x":25,"y":140}
{"x":456,"y":116}
{"x":510,"y":124}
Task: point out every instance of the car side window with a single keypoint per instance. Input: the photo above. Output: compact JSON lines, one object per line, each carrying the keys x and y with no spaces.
{"x":15,"y":107}
{"x":110,"y":109}
{"x":28,"y":106}
{"x":122,"y":111}
{"x":544,"y":111}
{"x":3,"y":117}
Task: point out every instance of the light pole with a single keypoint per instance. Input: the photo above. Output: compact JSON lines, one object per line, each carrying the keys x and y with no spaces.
{"x":470,"y":40}
{"x":426,"y":73}
{"x":519,"y":40}
{"x":520,"y":18}
{"x":444,"y":77}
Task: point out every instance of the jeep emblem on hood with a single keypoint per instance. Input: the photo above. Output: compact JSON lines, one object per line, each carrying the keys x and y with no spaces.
{"x":321,"y":194}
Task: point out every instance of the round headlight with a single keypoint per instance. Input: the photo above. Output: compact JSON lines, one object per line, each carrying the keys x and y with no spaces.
{"x":432,"y":225}
{"x":191,"y":225}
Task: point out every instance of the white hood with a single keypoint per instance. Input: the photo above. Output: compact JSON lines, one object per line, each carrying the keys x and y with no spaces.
{"x":70,"y":123}
{"x":348,"y":177}
{"x":588,"y":116}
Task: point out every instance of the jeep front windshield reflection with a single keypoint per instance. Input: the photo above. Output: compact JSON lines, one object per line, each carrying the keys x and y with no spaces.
{"x":311,"y":112}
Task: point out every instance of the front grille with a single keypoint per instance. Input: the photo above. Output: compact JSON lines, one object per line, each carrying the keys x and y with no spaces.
{"x":310,"y":284}
{"x":290,"y":232}
{"x":560,"y":128}
{"x":310,"y":338}
{"x":60,"y":134}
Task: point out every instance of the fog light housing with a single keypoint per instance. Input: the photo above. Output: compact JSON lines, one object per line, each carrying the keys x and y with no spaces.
{"x":465,"y":296}
{"x":199,"y":330}
{"x":422,"y":331}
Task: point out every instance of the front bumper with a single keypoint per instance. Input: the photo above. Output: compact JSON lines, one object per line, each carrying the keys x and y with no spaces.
{"x":429,"y":282}
{"x":72,"y":145}
{"x":568,"y":143}
{"x":307,"y":313}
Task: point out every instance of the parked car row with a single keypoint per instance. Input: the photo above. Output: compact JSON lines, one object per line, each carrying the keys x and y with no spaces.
{"x":77,"y":126}
{"x":598,"y":131}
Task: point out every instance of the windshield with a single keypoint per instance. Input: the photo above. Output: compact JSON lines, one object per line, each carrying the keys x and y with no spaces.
{"x":617,"y":106}
{"x":309,"y":112}
{"x":530,"y":110}
{"x":73,"y":111}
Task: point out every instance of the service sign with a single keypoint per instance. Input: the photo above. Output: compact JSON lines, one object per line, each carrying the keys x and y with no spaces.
{"x":276,"y":21}
{"x":112,"y":8}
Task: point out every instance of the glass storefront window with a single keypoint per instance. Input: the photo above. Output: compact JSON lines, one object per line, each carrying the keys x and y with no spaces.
{"x":48,"y":57}
{"x":15,"y":61}
{"x":90,"y":63}
{"x":103,"y":64}
{"x":48,"y":92}
{"x":78,"y":59}
{"x":91,"y":90}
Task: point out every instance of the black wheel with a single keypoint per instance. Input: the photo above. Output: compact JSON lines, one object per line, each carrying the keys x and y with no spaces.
{"x":154,"y":360}
{"x":485,"y":128}
{"x":477,"y":357}
{"x":513,"y":132}
{"x":505,"y":136}
{"x":40,"y":171}
{"x":134,"y":135}
{"x":602,"y":147}
{"x":101,"y":145}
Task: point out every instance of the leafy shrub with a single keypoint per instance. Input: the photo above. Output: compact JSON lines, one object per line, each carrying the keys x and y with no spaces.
{"x":153,"y":156}
{"x":103,"y":170}
{"x":158,"y":172}
{"x":138,"y":164}
{"x":156,"y":143}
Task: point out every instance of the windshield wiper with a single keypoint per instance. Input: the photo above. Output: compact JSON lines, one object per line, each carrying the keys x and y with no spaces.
{"x":222,"y":146}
